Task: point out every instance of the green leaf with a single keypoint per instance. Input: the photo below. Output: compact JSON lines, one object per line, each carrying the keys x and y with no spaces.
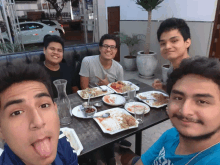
{"x":148,"y":5}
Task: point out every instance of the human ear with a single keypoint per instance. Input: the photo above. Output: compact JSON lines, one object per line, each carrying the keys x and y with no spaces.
{"x":116,"y":49}
{"x":100,"y":48}
{"x":188,"y":43}
{"x":44,"y":50}
{"x":1,"y":134}
{"x":55,"y":107}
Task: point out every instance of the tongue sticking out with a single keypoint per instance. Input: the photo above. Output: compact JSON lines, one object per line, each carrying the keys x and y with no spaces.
{"x":43,"y":147}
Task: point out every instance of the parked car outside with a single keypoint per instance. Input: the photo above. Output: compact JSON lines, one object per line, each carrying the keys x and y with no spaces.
{"x":55,"y":24}
{"x":33,"y":32}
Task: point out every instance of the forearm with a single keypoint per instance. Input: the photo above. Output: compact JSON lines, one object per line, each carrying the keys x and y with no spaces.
{"x":84,"y":82}
{"x":75,"y":89}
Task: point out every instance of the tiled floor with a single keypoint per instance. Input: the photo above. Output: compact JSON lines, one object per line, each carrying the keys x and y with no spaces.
{"x":150,"y":135}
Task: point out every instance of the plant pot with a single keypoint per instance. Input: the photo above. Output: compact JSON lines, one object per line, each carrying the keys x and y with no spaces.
{"x":146,"y":63}
{"x":130,"y":63}
{"x":165,"y":69}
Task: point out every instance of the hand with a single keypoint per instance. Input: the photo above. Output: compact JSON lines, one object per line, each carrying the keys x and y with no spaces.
{"x":157,"y":84}
{"x":103,"y":81}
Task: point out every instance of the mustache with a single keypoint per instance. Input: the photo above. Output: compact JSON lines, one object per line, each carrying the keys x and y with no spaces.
{"x":181,"y":117}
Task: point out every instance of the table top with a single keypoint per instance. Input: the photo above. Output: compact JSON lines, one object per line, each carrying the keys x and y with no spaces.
{"x":91,"y":135}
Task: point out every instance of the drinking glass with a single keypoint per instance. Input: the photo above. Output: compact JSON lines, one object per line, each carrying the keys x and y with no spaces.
{"x":131,"y":94}
{"x":139,"y":114}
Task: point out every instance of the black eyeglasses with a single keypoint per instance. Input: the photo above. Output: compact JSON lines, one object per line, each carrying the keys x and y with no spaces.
{"x":112,"y":47}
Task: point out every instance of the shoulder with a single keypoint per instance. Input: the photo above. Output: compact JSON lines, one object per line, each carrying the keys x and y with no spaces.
{"x":63,"y":65}
{"x":117,"y":64}
{"x":65,"y":151}
{"x":171,"y":133}
{"x":90,"y":58}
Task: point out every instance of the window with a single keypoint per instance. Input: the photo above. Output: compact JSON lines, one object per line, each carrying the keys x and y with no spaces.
{"x":49,"y":23}
{"x":23,"y":27}
{"x":33,"y":26}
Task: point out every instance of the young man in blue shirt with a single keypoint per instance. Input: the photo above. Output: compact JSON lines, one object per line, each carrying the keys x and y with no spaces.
{"x":194,"y":110}
{"x":29,"y":122}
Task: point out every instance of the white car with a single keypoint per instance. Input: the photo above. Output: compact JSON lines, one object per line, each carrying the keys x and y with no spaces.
{"x":33,"y":32}
{"x":54,"y":24}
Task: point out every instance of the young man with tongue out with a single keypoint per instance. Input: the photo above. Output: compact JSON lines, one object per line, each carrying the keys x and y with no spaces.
{"x":29,"y":122}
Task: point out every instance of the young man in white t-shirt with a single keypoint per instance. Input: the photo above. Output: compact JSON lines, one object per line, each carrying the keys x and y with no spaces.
{"x":101,"y":69}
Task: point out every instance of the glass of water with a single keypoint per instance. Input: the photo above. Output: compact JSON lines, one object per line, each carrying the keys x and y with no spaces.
{"x":139,"y":114}
{"x":131,"y":94}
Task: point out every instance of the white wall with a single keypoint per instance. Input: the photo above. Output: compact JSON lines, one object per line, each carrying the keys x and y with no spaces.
{"x":190,"y":10}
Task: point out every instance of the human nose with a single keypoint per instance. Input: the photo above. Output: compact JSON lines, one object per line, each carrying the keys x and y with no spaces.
{"x":37,"y":120}
{"x":168,"y":45}
{"x":109,"y":48}
{"x":186,"y":109}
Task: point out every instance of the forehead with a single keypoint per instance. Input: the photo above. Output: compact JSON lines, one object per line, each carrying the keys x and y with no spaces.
{"x":194,"y":84}
{"x":55,"y":45}
{"x":109,"y":42}
{"x":170,"y":34}
{"x":25,"y":90}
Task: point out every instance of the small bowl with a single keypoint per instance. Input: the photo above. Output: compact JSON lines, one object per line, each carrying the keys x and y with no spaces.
{"x":98,"y":104}
{"x":85,"y":104}
{"x":89,"y":113}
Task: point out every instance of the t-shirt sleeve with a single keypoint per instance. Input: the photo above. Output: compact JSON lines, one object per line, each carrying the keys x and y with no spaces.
{"x":120,"y":76}
{"x":68,"y":154}
{"x":84,"y":70}
{"x":149,"y":156}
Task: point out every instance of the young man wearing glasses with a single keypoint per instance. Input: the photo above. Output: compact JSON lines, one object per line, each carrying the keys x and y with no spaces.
{"x":101,"y":69}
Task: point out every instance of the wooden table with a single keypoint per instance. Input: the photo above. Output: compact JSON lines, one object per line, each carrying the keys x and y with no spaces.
{"x":91,"y":135}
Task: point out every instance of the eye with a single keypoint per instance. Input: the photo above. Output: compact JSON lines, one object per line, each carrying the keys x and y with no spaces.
{"x":174,"y":41}
{"x":202,"y":102}
{"x":112,"y":47}
{"x":177,"y":98}
{"x":162,"y":44}
{"x":16,"y":113}
{"x":45,"y":105}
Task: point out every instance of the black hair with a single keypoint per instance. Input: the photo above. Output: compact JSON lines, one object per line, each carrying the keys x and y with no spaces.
{"x":108,"y":37}
{"x":17,"y":73}
{"x":52,"y":38}
{"x":202,"y":66}
{"x":174,"y":23}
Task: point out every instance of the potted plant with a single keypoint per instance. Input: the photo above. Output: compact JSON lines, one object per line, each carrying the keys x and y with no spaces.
{"x":130,"y":41}
{"x":146,"y":61}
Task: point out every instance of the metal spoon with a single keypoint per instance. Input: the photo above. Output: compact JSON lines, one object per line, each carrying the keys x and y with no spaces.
{"x":89,"y":98}
{"x":105,"y":115}
{"x":103,"y":90}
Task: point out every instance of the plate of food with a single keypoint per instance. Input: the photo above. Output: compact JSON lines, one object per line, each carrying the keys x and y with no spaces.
{"x":119,"y":120}
{"x":113,"y":99}
{"x":72,"y":138}
{"x":155,"y":99}
{"x":95,"y":92}
{"x":130,"y":107}
{"x":78,"y":111}
{"x":122,"y":87}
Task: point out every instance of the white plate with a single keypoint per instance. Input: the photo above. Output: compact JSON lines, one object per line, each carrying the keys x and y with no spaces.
{"x":113,"y":121}
{"x":76,"y":111}
{"x":116,"y":99}
{"x":148,"y":95}
{"x":109,"y":91}
{"x":127,"y":105}
{"x":73,"y":139}
{"x":126,"y":82}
